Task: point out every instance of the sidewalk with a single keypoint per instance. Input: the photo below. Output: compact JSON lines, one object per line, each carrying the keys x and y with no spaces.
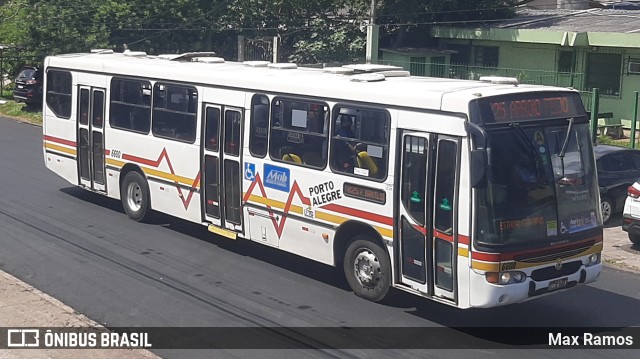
{"x":24,"y":306}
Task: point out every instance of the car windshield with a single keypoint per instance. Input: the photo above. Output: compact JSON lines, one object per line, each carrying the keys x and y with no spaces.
{"x":535,"y":192}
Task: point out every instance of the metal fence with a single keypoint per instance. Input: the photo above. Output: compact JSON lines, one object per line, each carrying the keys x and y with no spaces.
{"x":468,"y":72}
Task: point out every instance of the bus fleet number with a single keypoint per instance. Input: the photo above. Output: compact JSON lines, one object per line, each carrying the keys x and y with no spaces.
{"x":116,"y":154}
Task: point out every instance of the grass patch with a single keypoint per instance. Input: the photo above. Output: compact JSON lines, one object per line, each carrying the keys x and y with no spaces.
{"x":32,"y":114}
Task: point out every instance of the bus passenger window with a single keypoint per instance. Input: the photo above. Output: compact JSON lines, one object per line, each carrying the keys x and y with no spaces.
{"x":259,"y":135}
{"x":359,"y":145}
{"x":130,"y":105}
{"x":299,"y":132}
{"x":173,"y":116}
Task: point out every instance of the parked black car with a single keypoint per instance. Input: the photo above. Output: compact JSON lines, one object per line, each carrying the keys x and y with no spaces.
{"x":28,"y":86}
{"x":618,"y":168}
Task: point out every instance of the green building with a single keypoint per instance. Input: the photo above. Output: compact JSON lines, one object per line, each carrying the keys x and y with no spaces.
{"x":583,"y":49}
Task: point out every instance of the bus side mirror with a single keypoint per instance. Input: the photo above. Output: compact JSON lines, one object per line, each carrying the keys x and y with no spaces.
{"x":478,"y":168}
{"x":479,"y":158}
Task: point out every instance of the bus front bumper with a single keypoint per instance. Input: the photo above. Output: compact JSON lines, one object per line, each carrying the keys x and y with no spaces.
{"x":486,"y":295}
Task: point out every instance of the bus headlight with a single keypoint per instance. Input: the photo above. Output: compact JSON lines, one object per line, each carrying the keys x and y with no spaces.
{"x":593,"y":259}
{"x":505,"y":277}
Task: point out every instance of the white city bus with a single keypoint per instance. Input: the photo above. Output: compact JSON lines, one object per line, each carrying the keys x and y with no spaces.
{"x":470,"y":193}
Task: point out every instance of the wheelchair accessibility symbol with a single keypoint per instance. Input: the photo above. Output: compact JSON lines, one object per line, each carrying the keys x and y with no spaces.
{"x":249,"y":171}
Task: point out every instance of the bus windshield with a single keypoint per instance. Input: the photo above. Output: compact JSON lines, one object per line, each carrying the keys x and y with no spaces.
{"x":536,"y":192}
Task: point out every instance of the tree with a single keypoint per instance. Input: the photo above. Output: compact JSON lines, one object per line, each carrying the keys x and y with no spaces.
{"x":311,"y":31}
{"x":409,"y":21}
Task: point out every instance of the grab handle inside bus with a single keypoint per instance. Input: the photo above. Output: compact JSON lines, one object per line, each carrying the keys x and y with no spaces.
{"x":479,"y":158}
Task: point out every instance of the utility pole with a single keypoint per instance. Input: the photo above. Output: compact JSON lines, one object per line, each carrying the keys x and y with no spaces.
{"x":373,"y":31}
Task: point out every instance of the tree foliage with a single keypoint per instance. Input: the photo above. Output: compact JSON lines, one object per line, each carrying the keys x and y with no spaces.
{"x":310,"y":31}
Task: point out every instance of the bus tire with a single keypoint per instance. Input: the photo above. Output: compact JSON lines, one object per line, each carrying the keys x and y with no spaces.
{"x":367,"y":269}
{"x":134,"y":194}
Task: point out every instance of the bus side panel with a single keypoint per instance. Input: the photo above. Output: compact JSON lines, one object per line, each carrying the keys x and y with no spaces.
{"x":172,"y":170}
{"x":306,"y":239}
{"x":59,"y":141}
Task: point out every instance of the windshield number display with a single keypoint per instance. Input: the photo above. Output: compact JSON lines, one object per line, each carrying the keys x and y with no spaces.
{"x":530,"y":108}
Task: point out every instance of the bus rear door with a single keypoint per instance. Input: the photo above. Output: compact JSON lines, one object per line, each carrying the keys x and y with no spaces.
{"x":221,"y":184}
{"x":91,"y":138}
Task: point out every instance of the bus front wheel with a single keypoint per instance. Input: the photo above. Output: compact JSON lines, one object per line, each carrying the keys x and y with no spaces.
{"x":367,"y":269}
{"x":134,"y":193}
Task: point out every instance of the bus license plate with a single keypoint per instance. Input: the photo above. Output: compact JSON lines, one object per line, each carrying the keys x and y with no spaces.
{"x":557,"y":284}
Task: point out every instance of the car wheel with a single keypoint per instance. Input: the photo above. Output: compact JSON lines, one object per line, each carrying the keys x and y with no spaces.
{"x":607,"y":209}
{"x":135,"y":196}
{"x":634,"y":238}
{"x":367,"y":269}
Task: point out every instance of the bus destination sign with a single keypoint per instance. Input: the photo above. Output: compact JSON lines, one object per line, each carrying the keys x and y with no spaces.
{"x":514,"y":108}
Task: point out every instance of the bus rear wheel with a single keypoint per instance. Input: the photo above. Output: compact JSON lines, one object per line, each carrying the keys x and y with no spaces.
{"x":367,"y":269}
{"x":134,"y":194}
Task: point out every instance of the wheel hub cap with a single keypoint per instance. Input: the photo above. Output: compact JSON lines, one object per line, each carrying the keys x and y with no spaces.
{"x":134,"y":196}
{"x":367,"y":268}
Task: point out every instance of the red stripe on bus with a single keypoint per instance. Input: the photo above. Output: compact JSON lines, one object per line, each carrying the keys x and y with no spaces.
{"x":59,"y":140}
{"x":462,"y":239}
{"x":443,"y":236}
{"x":143,"y":161}
{"x":358,"y":213}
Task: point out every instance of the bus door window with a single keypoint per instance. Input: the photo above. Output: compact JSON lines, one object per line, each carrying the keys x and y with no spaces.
{"x":84,"y":107}
{"x":232,"y":133}
{"x":444,"y":209}
{"x":97,"y":140}
{"x":83,"y":136}
{"x":212,"y":162}
{"x":413,"y":196}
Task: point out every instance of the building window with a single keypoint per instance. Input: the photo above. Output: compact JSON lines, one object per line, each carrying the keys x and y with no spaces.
{"x":603,"y":72}
{"x":566,"y":61}
{"x":461,"y":54}
{"x":486,"y":56}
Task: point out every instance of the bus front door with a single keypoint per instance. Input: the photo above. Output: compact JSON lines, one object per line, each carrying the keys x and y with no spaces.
{"x":91,"y":156}
{"x":427,"y":207}
{"x":221,"y":184}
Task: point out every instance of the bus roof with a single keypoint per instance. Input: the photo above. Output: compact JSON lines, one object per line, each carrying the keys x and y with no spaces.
{"x":430,"y":93}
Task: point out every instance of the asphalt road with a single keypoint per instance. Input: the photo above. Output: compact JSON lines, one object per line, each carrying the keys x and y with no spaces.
{"x":83,"y":250}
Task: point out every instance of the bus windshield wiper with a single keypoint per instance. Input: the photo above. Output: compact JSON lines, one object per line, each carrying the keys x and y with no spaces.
{"x":563,"y":151}
{"x":566,"y":140}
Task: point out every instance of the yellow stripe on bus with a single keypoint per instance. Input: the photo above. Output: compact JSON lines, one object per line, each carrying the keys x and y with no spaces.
{"x":66,"y":150}
{"x":274,"y":203}
{"x":168,"y":176}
